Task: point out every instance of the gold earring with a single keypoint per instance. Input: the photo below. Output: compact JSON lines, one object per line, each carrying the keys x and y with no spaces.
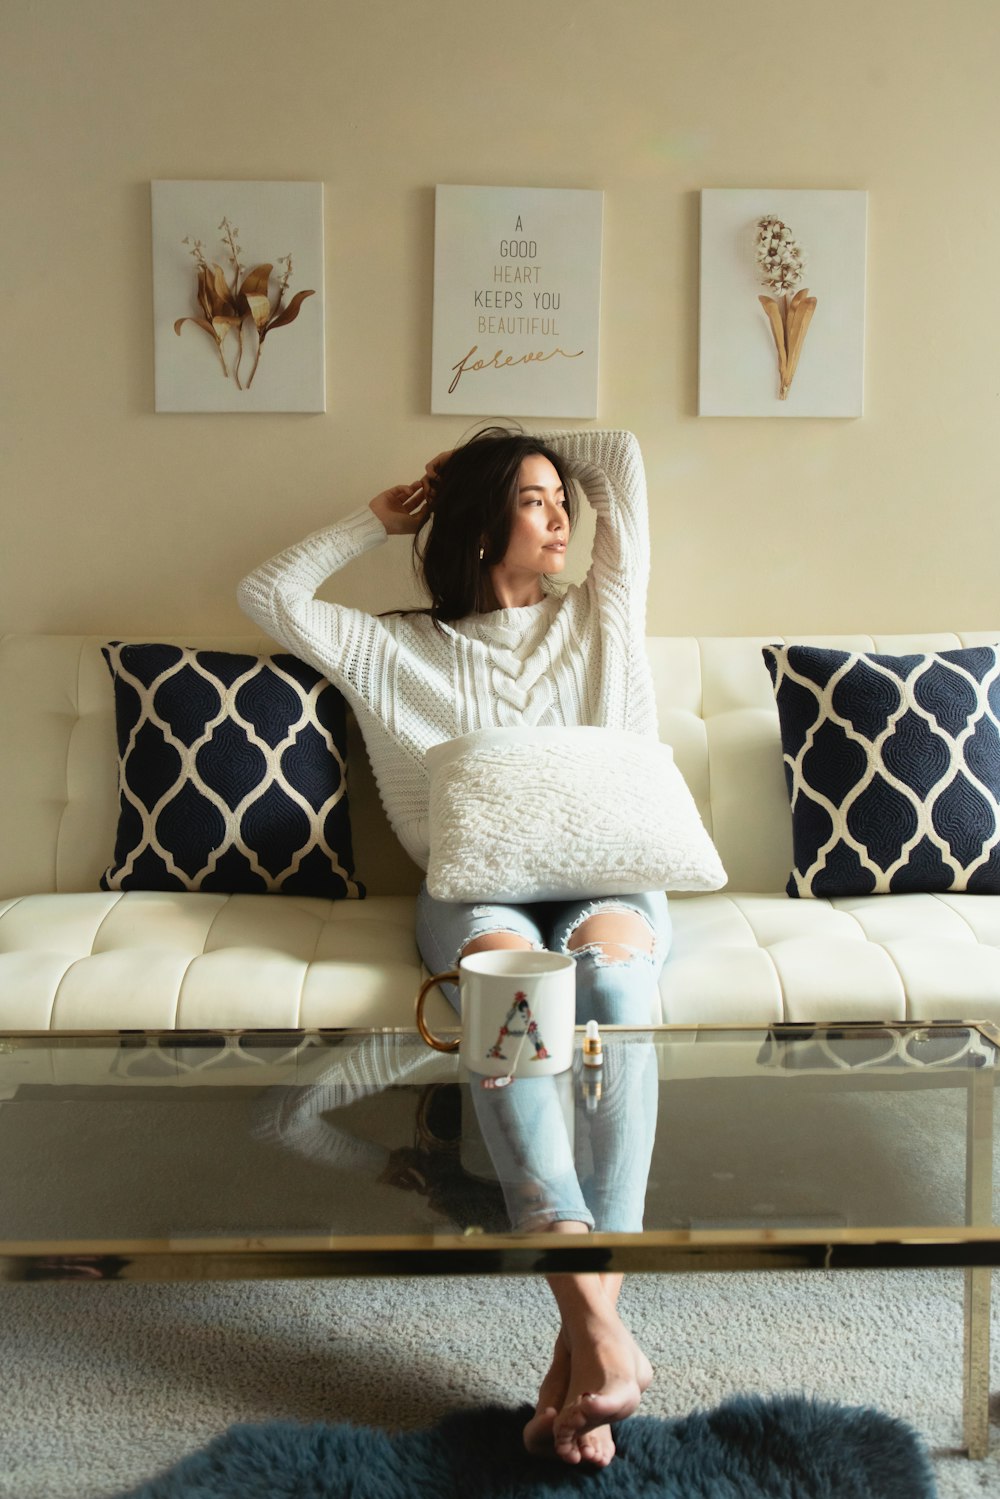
{"x":482,"y":553}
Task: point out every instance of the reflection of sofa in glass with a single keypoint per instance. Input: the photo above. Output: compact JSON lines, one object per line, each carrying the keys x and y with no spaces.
{"x":74,"y":957}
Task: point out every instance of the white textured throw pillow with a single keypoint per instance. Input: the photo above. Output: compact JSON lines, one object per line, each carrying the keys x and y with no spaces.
{"x":551,"y":814}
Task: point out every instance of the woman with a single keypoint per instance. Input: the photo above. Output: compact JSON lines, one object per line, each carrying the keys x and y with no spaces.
{"x":501,"y":646}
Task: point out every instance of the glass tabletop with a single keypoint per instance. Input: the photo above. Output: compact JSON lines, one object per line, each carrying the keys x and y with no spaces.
{"x":205,"y":1154}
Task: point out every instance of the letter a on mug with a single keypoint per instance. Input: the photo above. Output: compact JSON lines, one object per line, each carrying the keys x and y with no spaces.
{"x":520,"y":1010}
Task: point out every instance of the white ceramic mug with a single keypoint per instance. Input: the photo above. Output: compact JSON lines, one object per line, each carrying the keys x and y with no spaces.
{"x":518,"y":1012}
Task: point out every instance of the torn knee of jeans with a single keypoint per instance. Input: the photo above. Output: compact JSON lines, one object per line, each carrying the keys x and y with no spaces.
{"x":599,"y":948}
{"x":611,"y":954}
{"x":493,"y":931}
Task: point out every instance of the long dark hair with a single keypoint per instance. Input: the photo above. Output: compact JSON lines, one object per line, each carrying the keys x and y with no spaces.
{"x":473,"y":505}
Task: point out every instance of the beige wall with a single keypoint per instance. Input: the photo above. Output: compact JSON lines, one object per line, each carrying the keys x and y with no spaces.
{"x":117,"y":519}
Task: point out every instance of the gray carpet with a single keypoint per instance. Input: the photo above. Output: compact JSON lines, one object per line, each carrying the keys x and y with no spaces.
{"x":104,"y":1385}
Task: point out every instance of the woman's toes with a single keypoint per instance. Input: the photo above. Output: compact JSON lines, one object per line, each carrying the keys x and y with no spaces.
{"x":597,"y":1446}
{"x":538,"y":1432}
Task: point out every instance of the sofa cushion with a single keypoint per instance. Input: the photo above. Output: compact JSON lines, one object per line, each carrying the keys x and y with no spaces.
{"x":754,"y":959}
{"x":232,"y":774}
{"x":893,"y":769}
{"x":177,"y":960}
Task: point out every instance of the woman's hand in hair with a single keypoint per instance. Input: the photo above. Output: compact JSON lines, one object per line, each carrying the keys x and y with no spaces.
{"x":401,"y":508}
{"x":433,"y":467}
{"x":431,"y":473}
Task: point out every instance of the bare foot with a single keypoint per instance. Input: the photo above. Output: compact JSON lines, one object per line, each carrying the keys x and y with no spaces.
{"x":580,"y":1395}
{"x":551,"y":1398}
{"x":608,"y":1374}
{"x":598,"y":1371}
{"x":597,"y":1446}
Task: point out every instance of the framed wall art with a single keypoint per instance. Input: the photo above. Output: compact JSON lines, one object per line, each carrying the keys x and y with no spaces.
{"x":782,"y":315}
{"x":517,"y":293}
{"x":238,"y":302}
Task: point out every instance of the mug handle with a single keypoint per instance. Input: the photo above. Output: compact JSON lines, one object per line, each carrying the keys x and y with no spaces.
{"x":438,"y":978}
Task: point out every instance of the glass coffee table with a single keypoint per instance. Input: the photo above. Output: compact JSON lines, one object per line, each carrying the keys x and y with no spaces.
{"x":213,"y":1155}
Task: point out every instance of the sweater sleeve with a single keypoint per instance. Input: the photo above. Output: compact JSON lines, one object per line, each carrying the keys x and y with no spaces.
{"x":608,"y":467}
{"x":280,"y":596}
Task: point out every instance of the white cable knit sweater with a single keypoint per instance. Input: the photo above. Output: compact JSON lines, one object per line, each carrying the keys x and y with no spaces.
{"x":577,"y":657}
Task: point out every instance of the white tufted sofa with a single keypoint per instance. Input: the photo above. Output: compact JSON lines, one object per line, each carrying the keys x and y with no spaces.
{"x":74,"y":957}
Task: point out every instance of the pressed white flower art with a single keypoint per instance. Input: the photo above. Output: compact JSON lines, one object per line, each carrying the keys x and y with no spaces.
{"x":781,"y":265}
{"x":234,"y":263}
{"x":754,"y":357}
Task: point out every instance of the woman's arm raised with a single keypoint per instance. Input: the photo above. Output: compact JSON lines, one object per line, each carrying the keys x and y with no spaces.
{"x":280,"y":595}
{"x":608,"y":467}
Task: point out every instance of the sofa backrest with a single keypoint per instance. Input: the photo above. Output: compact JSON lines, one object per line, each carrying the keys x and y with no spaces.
{"x":58,"y":779}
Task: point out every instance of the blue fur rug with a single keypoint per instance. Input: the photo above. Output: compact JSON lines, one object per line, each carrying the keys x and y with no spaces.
{"x":751,"y":1447}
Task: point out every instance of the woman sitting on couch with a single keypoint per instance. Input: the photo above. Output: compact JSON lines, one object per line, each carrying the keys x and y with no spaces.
{"x":501,"y":646}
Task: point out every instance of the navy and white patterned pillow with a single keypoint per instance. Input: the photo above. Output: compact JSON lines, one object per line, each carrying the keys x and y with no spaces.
{"x":232,"y":774}
{"x":893,"y":769}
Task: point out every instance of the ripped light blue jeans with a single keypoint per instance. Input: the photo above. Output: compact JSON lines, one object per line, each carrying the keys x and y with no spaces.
{"x":558,"y":1151}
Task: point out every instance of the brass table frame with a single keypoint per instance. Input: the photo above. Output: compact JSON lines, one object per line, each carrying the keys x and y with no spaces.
{"x":975,"y":1248}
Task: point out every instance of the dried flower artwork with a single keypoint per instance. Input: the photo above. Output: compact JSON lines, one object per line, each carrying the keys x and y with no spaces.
{"x":245,"y":305}
{"x":781,"y":264}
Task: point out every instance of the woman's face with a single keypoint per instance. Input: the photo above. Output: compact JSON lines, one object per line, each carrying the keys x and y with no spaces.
{"x":540,"y":531}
